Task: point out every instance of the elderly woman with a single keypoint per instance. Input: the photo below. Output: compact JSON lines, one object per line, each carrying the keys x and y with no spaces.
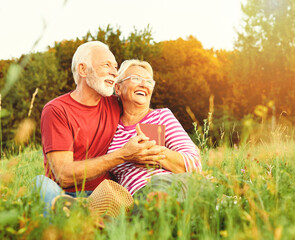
{"x":134,"y":87}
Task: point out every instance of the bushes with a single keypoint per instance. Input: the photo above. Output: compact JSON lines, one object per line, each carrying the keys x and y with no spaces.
{"x":43,"y":72}
{"x":191,"y":81}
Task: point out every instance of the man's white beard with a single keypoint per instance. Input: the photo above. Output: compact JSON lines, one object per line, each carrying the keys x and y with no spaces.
{"x":98,"y":85}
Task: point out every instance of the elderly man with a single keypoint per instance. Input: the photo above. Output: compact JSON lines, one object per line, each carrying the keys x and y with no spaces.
{"x":77,"y":128}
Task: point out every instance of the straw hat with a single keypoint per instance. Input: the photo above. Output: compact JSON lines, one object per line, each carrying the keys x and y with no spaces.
{"x":109,"y":197}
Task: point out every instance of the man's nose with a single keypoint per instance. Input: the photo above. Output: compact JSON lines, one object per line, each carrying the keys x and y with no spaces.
{"x":114,"y":71}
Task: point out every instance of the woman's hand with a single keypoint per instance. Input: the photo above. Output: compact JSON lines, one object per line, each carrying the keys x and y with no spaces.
{"x":140,"y":150}
{"x":173,"y":161}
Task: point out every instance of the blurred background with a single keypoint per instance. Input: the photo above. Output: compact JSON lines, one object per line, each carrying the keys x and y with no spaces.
{"x":226,"y":68}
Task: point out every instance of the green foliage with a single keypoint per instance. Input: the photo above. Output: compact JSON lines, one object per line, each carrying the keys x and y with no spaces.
{"x":64,"y":52}
{"x":140,"y":45}
{"x":264,"y":64}
{"x":259,"y":72}
{"x":50,"y":72}
{"x":12,"y":77}
{"x":201,"y":138}
{"x":243,"y":193}
{"x":41,"y":71}
{"x":4,"y":66}
{"x":183,"y":72}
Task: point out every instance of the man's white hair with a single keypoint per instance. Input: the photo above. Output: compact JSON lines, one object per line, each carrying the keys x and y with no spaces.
{"x":83,"y":54}
{"x":130,"y":63}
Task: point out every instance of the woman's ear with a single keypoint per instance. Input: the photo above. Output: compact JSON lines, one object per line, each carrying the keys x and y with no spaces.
{"x":117,"y":89}
{"x":82,"y":69}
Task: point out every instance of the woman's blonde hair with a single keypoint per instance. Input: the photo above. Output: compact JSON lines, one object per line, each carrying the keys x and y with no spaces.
{"x":130,"y":63}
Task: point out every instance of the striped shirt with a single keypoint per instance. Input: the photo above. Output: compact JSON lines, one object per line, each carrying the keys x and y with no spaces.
{"x":134,"y":178}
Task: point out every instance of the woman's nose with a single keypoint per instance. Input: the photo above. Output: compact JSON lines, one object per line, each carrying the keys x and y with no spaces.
{"x":143,"y":83}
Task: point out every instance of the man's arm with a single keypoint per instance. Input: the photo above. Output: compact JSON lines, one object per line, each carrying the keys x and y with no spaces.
{"x":67,"y":171}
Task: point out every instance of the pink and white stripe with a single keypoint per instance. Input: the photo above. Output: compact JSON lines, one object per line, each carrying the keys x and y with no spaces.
{"x":134,"y":178}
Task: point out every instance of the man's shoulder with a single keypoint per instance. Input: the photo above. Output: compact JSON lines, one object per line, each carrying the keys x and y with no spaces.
{"x":56,"y":106}
{"x":59,"y":101}
{"x":112,"y":101}
{"x":66,"y":103}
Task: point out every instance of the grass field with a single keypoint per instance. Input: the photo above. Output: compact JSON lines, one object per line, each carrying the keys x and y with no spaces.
{"x":244,"y":192}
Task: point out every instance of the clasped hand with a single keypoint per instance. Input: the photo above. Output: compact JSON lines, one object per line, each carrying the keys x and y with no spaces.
{"x":141,"y":151}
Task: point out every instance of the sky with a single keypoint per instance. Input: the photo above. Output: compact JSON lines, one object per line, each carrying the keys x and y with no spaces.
{"x":22,"y":22}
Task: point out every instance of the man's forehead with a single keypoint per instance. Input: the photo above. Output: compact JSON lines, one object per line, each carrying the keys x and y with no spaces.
{"x":101,"y":54}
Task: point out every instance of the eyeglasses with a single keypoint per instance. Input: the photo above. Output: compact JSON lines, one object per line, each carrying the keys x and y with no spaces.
{"x":137,"y":79}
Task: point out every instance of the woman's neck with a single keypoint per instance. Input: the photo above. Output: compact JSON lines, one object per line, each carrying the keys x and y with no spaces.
{"x":132,"y":115}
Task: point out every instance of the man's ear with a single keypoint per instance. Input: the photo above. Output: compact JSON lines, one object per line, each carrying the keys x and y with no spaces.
{"x":82,"y":69}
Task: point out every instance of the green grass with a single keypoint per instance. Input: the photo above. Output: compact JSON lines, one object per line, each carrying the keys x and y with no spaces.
{"x":243,"y":193}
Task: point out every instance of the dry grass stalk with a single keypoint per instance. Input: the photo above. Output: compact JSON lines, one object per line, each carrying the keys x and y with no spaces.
{"x":24,"y":131}
{"x":32,"y":101}
{"x":192,"y":115}
{"x":211,"y":103}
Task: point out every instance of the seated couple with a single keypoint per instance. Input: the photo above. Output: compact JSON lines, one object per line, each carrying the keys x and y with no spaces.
{"x":89,"y":135}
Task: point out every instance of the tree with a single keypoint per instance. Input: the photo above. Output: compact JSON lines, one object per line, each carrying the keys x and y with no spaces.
{"x":140,"y":45}
{"x":184,"y":73}
{"x":265,"y":65}
{"x":64,"y":52}
{"x":4,"y":65}
{"x":41,"y":71}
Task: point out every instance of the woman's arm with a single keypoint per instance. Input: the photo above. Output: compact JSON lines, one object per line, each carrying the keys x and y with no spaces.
{"x":182,"y":155}
{"x":173,"y":161}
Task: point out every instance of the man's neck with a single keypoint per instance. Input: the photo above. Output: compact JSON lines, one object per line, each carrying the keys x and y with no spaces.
{"x":86,"y":96}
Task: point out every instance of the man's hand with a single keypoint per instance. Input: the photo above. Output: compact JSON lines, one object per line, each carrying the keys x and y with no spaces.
{"x":140,"y":150}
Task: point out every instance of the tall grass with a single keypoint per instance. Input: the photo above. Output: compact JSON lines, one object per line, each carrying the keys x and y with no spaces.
{"x":244,"y":192}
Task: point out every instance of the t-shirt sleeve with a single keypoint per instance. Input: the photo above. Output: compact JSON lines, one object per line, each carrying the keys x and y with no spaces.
{"x":178,"y":140}
{"x":55,"y":130}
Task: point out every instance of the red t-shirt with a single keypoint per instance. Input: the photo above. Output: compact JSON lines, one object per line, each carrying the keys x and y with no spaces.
{"x":87,"y":131}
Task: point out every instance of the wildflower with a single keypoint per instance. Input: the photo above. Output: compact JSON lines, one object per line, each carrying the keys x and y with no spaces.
{"x":159,"y":197}
{"x":278,"y":232}
{"x":261,"y":111}
{"x":270,"y":167}
{"x":12,"y":162}
{"x":51,"y":233}
{"x":21,"y":192}
{"x":223,"y":233}
{"x":6,"y":177}
{"x":243,"y":170}
{"x":271,"y":103}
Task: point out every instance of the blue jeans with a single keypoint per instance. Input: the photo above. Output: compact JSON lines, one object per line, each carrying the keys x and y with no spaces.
{"x":50,"y":189}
